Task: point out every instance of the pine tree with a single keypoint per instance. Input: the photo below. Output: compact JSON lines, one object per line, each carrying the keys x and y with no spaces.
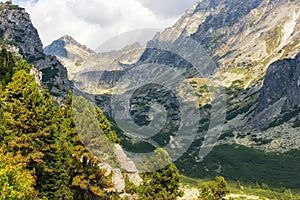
{"x":163,"y":183}
{"x":48,"y":140}
{"x":55,"y":181}
{"x":16,"y":182}
{"x":88,"y":180}
{"x":32,"y":125}
{"x":7,"y":65}
{"x":91,"y":132}
{"x":106,"y":127}
{"x":214,"y":190}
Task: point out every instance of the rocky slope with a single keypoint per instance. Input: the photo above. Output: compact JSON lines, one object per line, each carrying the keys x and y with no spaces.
{"x":16,"y":27}
{"x":244,"y":38}
{"x":69,"y":52}
{"x":255,"y":46}
{"x":82,"y":61}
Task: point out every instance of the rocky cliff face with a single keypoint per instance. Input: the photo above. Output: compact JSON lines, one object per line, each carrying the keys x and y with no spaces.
{"x":242,"y":37}
{"x":282,"y":82}
{"x":16,"y":27}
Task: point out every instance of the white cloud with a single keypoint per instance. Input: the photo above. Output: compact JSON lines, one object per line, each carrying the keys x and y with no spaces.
{"x":168,"y":8}
{"x":92,"y":22}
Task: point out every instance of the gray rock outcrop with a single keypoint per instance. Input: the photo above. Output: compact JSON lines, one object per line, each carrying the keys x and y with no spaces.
{"x":128,"y":166}
{"x":118,"y":181}
{"x":282,"y":82}
{"x":17,"y":28}
{"x":128,"y":169}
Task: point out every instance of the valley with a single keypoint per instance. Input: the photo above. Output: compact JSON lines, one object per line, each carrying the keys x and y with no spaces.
{"x":215,"y":95}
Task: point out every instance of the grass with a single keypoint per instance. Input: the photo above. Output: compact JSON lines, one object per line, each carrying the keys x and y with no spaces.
{"x":235,"y":187}
{"x":264,"y":193}
{"x":291,"y":47}
{"x":247,"y":165}
{"x":273,"y":38}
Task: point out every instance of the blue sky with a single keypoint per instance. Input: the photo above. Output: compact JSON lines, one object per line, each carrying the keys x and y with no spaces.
{"x":92,"y":22}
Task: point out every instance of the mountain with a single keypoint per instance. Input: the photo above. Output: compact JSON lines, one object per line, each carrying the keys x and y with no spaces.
{"x":19,"y":36}
{"x":246,"y":36}
{"x":79,"y":59}
{"x":67,"y":47}
{"x":16,"y":27}
{"x":242,"y":38}
{"x":255,"y":47}
{"x":282,"y":82}
{"x":69,"y":52}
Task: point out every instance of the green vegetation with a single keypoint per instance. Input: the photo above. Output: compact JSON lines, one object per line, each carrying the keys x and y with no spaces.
{"x":290,"y":47}
{"x":52,"y":152}
{"x":7,"y":66}
{"x":42,"y":155}
{"x":10,"y":6}
{"x":162,"y":181}
{"x":275,"y":170}
{"x":49,"y":73}
{"x":105,"y":126}
{"x":234,"y":107}
{"x":214,"y":190}
{"x":273,"y":38}
{"x":16,"y":181}
{"x":262,"y":191}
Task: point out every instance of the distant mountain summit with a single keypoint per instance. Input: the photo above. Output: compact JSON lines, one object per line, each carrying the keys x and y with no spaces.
{"x":67,"y":47}
{"x":78,"y":58}
{"x":70,"y":53}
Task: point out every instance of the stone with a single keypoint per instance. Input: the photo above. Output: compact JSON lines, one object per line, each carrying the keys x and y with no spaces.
{"x":128,"y":166}
{"x":118,"y":181}
{"x":17,"y":28}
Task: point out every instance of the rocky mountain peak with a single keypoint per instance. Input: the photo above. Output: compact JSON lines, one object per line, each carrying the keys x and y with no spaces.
{"x":243,"y":37}
{"x":69,"y":40}
{"x":16,"y":26}
{"x":78,"y":59}
{"x":17,"y":29}
{"x":60,"y":48}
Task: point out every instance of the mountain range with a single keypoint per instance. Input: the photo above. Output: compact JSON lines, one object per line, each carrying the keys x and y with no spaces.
{"x":255,"y":48}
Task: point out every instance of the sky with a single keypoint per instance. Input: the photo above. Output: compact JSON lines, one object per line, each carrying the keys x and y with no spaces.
{"x":92,"y":22}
